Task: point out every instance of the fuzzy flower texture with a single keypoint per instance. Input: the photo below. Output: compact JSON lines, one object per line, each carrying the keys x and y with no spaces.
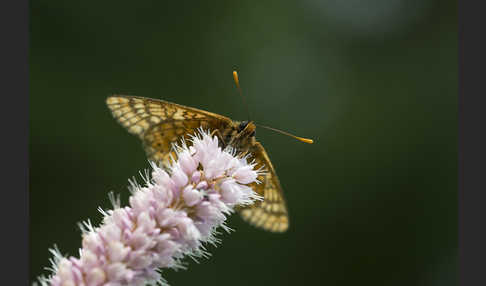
{"x":172,"y":216}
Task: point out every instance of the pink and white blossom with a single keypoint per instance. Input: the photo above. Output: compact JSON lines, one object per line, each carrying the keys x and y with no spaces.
{"x":171,"y":217}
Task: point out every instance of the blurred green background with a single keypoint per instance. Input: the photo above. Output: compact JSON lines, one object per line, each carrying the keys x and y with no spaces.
{"x":374,"y":83}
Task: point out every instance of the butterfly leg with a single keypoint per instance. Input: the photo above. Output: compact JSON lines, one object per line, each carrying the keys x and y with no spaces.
{"x":217,"y":133}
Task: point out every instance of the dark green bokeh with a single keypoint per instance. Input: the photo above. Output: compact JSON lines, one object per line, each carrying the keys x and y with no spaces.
{"x":373,"y":201}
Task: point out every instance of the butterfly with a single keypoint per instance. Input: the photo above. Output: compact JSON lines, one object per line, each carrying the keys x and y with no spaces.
{"x":160,"y":123}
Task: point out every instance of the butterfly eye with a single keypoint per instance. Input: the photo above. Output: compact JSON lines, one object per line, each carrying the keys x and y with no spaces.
{"x":242,"y":125}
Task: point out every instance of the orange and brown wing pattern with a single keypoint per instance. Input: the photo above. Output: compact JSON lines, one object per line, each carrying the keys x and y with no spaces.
{"x":160,"y":123}
{"x":271,"y":213}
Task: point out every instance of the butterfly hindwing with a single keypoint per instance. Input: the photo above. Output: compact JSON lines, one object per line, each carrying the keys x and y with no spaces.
{"x":271,"y":213}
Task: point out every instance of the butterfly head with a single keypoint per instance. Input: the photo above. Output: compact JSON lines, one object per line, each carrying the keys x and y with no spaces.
{"x":246,"y":129}
{"x":241,"y":135}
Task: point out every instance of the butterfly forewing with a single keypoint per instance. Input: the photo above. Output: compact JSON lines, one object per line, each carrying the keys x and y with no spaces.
{"x":159,"y":124}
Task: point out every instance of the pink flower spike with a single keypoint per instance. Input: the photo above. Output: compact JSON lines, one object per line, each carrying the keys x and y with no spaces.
{"x":172,"y":216}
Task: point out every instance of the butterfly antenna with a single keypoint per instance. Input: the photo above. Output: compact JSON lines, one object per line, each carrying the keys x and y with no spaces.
{"x":237,"y":82}
{"x":301,"y":139}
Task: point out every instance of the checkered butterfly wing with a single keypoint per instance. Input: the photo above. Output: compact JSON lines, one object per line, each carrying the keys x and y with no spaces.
{"x":160,"y":123}
{"x":271,"y":213}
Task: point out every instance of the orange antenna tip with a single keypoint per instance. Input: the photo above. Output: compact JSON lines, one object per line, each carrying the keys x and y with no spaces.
{"x":305,"y":140}
{"x":235,"y":77}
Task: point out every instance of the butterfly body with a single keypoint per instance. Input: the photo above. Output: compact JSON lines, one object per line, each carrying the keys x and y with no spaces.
{"x":160,"y":123}
{"x":241,"y":136}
